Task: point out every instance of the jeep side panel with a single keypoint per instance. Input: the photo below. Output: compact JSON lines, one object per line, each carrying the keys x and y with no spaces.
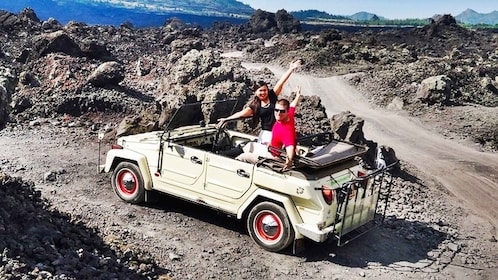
{"x":226,"y":178}
{"x":183,"y":166}
{"x":196,"y":175}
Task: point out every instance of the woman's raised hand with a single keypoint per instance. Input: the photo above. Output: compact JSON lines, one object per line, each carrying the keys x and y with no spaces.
{"x":296,"y":64}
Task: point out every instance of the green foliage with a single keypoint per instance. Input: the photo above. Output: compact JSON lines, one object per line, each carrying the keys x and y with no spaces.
{"x":480,"y":26}
{"x":395,"y":22}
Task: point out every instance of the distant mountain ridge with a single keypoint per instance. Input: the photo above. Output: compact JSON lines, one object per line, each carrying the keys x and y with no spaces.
{"x":363,"y":16}
{"x":144,"y":13}
{"x":141,"y":13}
{"x":199,"y":7}
{"x":468,"y":16}
{"x":472,"y":17}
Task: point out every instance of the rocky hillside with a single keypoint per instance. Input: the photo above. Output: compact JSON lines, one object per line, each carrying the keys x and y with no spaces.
{"x":61,"y":84}
{"x":77,"y":70}
{"x":441,"y":73}
{"x":49,"y":236}
{"x":89,"y":73}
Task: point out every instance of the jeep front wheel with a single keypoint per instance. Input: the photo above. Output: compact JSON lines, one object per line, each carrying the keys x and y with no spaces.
{"x":269,"y":226}
{"x":128,"y":183}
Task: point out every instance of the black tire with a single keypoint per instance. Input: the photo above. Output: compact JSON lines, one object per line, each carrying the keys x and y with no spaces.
{"x":269,"y":226}
{"x":128,"y":183}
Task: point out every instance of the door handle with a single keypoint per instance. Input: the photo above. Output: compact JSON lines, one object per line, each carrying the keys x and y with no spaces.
{"x":242,"y":173}
{"x":195,"y":159}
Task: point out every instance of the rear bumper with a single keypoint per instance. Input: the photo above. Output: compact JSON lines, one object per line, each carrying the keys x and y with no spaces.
{"x":314,"y":233}
{"x":317,"y":235}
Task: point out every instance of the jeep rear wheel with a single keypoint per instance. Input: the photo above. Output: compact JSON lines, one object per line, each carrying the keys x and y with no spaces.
{"x":269,"y":226}
{"x":128,"y":183}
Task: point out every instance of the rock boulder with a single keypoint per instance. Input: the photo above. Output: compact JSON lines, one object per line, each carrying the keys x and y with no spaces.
{"x":107,"y":74}
{"x":435,"y":90}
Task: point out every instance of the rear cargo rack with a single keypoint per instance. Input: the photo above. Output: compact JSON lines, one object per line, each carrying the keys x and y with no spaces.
{"x":354,"y":221}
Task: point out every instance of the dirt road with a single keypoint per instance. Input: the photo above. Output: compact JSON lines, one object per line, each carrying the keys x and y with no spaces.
{"x":471,"y":176}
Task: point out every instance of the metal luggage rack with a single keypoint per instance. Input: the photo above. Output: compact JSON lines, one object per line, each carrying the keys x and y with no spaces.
{"x":382,"y":179}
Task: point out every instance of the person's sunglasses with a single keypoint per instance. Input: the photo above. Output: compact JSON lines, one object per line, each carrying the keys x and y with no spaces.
{"x":280,"y":111}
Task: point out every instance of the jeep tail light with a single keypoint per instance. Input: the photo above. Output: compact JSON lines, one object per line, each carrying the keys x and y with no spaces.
{"x":364,"y":181}
{"x":116,"y":146}
{"x":328,"y":194}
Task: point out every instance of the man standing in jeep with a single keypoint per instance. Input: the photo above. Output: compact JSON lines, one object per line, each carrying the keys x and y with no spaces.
{"x":284,"y":129}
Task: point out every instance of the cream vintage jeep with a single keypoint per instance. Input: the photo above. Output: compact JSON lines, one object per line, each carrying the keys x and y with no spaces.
{"x":327,"y":194}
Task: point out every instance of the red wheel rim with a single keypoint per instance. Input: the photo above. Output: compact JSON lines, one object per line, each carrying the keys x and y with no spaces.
{"x":268,"y":226}
{"x":127,"y":182}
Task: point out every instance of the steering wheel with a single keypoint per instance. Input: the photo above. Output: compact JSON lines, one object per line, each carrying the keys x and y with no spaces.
{"x":217,"y":139}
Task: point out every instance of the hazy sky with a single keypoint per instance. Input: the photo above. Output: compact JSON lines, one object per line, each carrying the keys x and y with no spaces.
{"x":391,"y":9}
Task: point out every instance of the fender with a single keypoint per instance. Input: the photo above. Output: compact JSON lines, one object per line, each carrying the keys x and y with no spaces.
{"x":288,"y":204}
{"x":115,"y":156}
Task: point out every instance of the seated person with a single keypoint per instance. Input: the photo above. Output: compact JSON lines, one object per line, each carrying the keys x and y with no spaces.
{"x":283,"y":134}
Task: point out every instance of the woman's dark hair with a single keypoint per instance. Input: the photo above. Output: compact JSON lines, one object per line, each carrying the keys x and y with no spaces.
{"x":256,"y":103}
{"x":258,"y":84}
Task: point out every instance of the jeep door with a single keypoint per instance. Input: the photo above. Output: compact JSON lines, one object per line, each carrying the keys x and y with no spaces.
{"x":226,"y":178}
{"x":183,"y":166}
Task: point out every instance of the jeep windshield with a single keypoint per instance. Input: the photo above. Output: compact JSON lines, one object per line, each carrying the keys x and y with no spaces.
{"x":201,"y":113}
